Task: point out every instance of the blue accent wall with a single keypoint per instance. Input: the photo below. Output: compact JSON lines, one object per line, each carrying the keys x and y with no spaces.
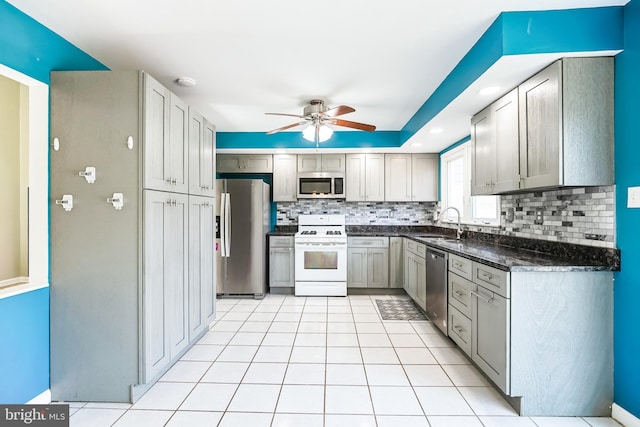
{"x":24,"y":334}
{"x":346,"y":139}
{"x":34,"y":50}
{"x":627,"y":154}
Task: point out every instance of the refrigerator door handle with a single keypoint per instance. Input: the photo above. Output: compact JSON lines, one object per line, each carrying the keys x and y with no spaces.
{"x":223,"y":223}
{"x":227,"y":222}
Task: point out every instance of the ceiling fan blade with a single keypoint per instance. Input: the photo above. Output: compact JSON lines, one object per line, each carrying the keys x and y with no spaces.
{"x":338,"y":111}
{"x":354,"y":125}
{"x":284,"y":114}
{"x":271,"y":132}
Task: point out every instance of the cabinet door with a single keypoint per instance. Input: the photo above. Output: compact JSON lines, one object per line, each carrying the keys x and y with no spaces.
{"x":410,"y":274}
{"x":424,"y":177}
{"x":196,"y":145}
{"x":284,"y":178}
{"x":156,"y":135}
{"x":396,"y":262}
{"x":482,"y":152}
{"x":507,"y":138}
{"x":374,"y":177}
{"x":309,"y":163}
{"x":178,"y":145}
{"x":397,"y":178}
{"x":281,"y":267}
{"x":421,"y":282}
{"x":333,"y":162}
{"x":208,"y":160}
{"x":357,"y":267}
{"x":377,"y":268}
{"x":355,"y":177}
{"x":490,"y":336}
{"x":201,"y":308}
{"x":540,"y":128}
{"x":244,"y":163}
{"x":177,"y":272}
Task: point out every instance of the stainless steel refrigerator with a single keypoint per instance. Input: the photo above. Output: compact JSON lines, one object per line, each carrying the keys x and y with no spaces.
{"x":242,"y":224}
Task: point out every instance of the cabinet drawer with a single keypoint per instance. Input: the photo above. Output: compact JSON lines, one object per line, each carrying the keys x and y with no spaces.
{"x":368,"y":242}
{"x":459,"y":328}
{"x":491,"y":278}
{"x":280,"y":241}
{"x":460,"y":293}
{"x":461,"y":266}
{"x":416,"y":248}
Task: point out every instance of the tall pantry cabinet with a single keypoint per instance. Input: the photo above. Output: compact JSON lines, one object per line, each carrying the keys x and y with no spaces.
{"x":132,"y":233}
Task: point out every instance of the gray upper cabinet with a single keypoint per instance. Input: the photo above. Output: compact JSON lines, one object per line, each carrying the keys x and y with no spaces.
{"x":424,"y":177}
{"x":321,"y":163}
{"x":284,"y":178}
{"x":244,"y":163}
{"x":566,"y":124}
{"x":365,"y":177}
{"x":494,"y":137}
{"x":401,"y":171}
{"x":165,"y":139}
{"x":202,"y":142}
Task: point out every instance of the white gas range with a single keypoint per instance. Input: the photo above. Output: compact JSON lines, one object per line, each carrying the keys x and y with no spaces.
{"x":321,"y":256}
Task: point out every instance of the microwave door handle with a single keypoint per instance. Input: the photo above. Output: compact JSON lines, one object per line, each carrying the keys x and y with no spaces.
{"x":227,"y":213}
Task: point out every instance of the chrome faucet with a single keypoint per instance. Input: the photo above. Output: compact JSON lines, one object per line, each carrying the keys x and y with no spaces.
{"x":459,"y":230}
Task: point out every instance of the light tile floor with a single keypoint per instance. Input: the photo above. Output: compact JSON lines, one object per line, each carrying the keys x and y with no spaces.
{"x":288,"y":361}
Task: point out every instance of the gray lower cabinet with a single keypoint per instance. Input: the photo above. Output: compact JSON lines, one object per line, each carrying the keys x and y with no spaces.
{"x":368,"y":262}
{"x":396,"y":262}
{"x":537,"y":334}
{"x":415,"y":272}
{"x":202,"y":292}
{"x":281,"y":262}
{"x":165,"y":248}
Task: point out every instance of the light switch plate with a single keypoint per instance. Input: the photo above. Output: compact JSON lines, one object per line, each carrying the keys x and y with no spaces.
{"x":633,"y":197}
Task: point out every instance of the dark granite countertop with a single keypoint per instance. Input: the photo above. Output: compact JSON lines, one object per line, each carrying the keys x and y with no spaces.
{"x":502,"y":252}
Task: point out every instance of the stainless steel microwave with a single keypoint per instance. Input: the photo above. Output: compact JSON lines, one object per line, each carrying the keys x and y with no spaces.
{"x":319,"y":185}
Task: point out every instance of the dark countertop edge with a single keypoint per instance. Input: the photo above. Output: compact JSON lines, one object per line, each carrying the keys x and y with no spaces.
{"x":556,"y":264}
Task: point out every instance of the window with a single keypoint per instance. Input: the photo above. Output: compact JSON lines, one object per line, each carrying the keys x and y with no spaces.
{"x":456,"y":191}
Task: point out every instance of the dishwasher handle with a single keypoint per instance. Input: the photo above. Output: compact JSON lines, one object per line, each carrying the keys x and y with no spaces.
{"x":436,"y":254}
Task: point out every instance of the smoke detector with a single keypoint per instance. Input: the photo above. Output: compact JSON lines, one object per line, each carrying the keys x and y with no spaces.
{"x":186,"y":81}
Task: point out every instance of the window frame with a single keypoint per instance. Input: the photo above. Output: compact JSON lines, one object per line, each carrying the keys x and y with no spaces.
{"x":468,"y":216}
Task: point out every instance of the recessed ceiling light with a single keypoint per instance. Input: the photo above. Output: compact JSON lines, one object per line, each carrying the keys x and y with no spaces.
{"x":489,"y":90}
{"x":436,"y":130}
{"x":186,"y":81}
{"x":416,"y":144}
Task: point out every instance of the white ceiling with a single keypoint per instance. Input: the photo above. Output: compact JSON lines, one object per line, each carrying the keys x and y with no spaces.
{"x":253,"y":56}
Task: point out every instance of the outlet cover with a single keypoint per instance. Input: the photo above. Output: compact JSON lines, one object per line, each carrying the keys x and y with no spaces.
{"x":539,"y":219}
{"x":633,"y":197}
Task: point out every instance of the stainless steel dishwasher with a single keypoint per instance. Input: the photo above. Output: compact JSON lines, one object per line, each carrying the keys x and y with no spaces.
{"x":436,"y":298}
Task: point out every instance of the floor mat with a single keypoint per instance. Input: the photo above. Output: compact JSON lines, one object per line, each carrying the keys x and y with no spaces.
{"x":399,"y":310}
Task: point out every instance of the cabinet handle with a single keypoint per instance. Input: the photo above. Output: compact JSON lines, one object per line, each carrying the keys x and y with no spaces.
{"x":486,"y":276}
{"x":168,"y":180}
{"x":458,"y":329}
{"x":174,"y":181}
{"x":169,"y":202}
{"x":460,"y":294}
{"x":457,"y":264}
{"x":488,"y":300}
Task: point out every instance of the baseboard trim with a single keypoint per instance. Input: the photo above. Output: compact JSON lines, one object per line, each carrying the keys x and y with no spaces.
{"x":624,"y":417}
{"x":43,"y":398}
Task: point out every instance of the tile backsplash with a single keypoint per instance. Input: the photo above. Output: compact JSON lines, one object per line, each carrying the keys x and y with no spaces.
{"x":359,"y":213}
{"x":583,"y":216}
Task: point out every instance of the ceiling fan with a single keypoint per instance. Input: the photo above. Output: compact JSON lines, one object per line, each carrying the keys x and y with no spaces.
{"x":317,"y":116}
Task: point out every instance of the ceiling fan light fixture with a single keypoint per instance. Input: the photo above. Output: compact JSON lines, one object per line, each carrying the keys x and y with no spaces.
{"x":324,"y":133}
{"x":309,"y":133}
